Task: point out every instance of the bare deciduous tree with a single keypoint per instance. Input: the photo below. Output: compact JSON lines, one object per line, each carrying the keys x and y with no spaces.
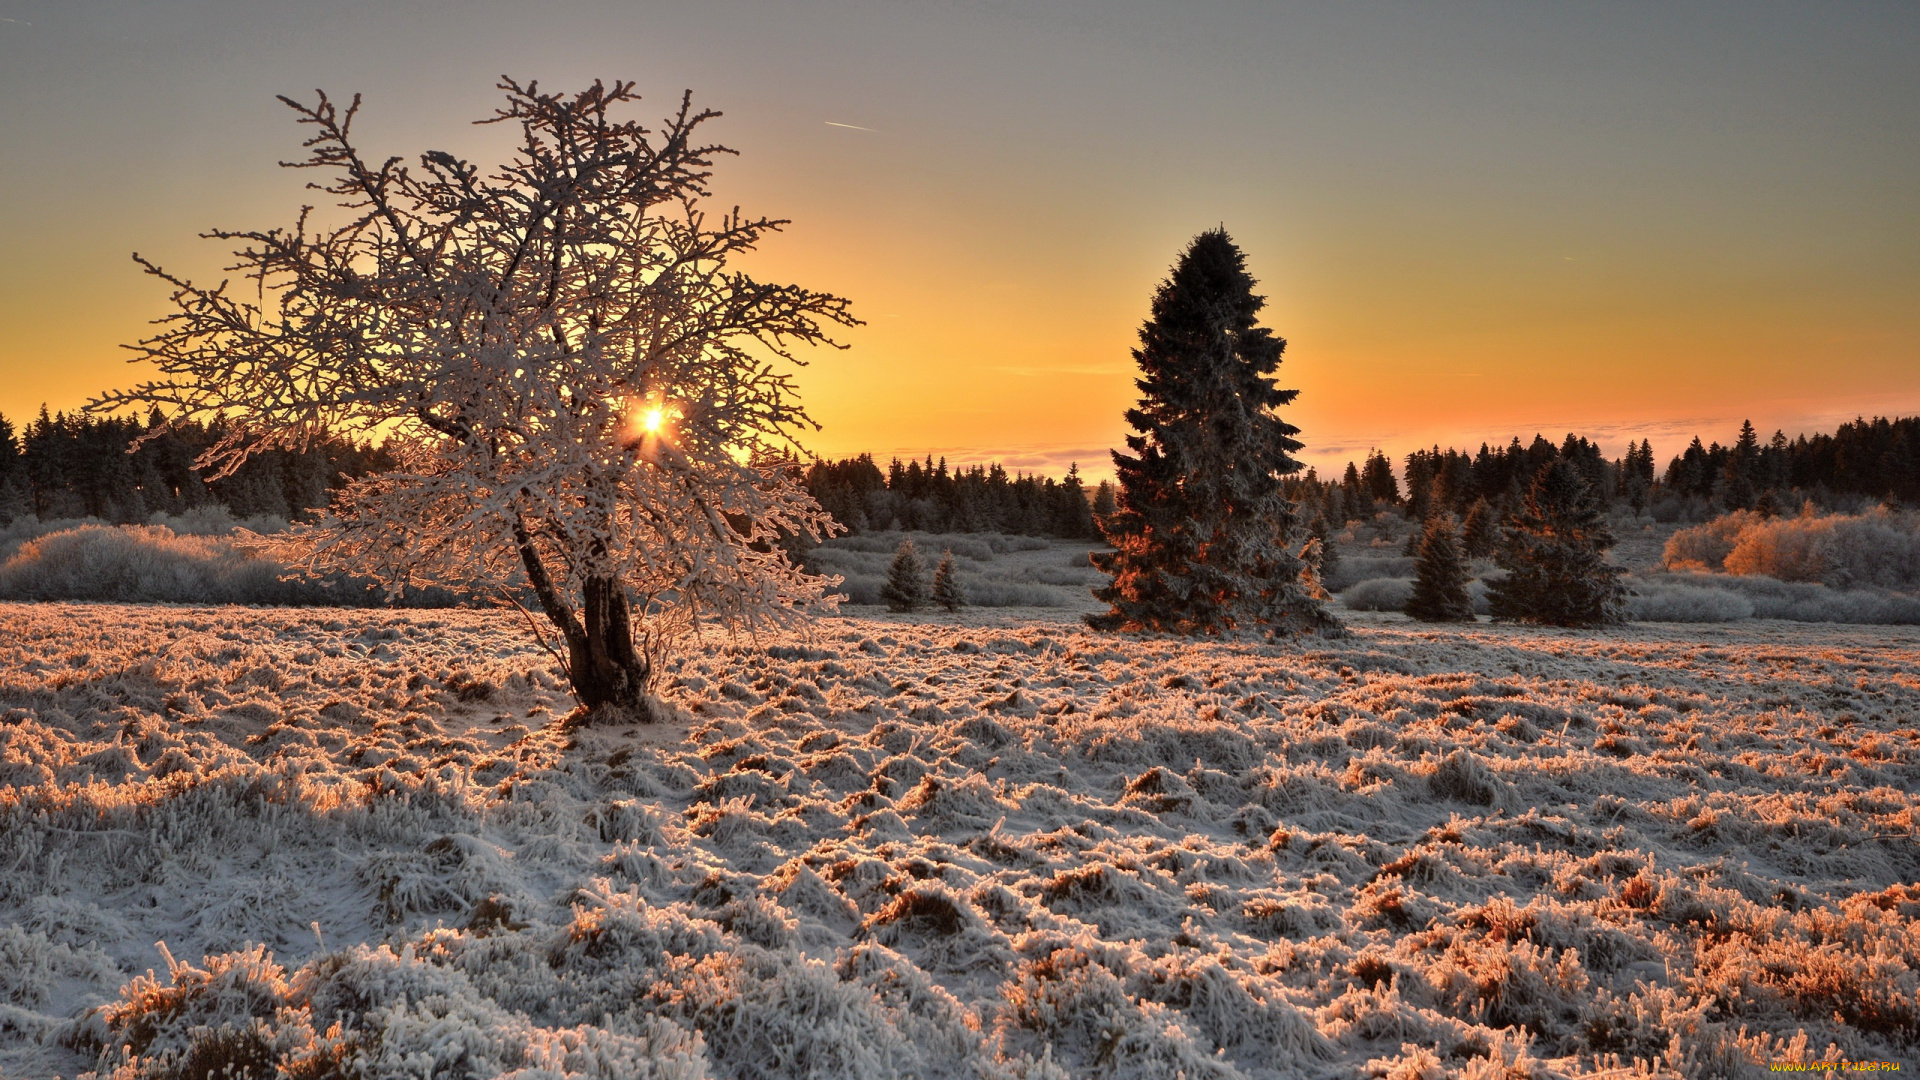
{"x":582,"y":395}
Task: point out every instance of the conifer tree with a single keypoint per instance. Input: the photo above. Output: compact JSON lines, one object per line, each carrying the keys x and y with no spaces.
{"x":13,"y":475}
{"x":946,"y":584}
{"x":1103,"y":503}
{"x":1480,"y":534}
{"x":1204,"y":528}
{"x":1329,"y":554}
{"x":1553,"y":555}
{"x":1440,"y":577}
{"x":1742,"y":469}
{"x":1073,"y":517}
{"x":906,"y":587}
{"x":1377,"y":478}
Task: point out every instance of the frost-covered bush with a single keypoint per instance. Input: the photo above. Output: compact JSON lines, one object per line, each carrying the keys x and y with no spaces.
{"x":213,"y":519}
{"x":1706,"y":547}
{"x":1879,"y":549}
{"x":154,"y":564}
{"x":1379,"y":594}
{"x":140,"y":563}
{"x":1807,"y":602}
{"x":1666,"y":601}
{"x":1354,"y":569}
{"x":1728,"y":597}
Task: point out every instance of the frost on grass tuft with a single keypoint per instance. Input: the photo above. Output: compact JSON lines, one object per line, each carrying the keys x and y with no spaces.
{"x":1508,"y":851}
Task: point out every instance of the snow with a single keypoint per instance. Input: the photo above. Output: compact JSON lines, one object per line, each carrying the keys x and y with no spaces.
{"x":993,"y":846}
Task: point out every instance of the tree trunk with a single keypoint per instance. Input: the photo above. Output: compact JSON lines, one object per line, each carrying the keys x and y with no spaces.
{"x":602,"y":663}
{"x":605,"y":667}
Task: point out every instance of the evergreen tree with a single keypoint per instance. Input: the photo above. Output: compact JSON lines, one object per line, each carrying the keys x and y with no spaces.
{"x":1073,"y":517}
{"x":14,"y":500}
{"x":1103,"y":504}
{"x":906,"y":587}
{"x":1553,"y":555}
{"x":1376,"y":479}
{"x":946,"y":584}
{"x":1440,"y":577}
{"x":1480,"y":535}
{"x":1329,"y":554}
{"x":1204,"y":527}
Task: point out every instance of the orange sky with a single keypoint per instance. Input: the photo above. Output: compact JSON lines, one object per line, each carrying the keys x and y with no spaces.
{"x":1472,"y":221}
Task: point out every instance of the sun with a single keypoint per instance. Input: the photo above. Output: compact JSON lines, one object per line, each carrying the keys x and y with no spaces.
{"x":651,"y":420}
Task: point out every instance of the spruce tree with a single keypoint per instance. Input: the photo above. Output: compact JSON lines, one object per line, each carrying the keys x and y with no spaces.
{"x":1440,"y":577}
{"x":1073,"y":516}
{"x":1203,"y":527}
{"x":1480,"y":534}
{"x":906,"y":587}
{"x":1742,"y":469}
{"x":1378,"y":479}
{"x":1103,"y":504}
{"x":946,"y":584}
{"x":1553,"y":555}
{"x":1329,"y":554}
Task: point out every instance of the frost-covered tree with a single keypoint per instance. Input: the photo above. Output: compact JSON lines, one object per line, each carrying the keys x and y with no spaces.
{"x":1553,"y":553}
{"x":1329,"y":553}
{"x":946,"y":584}
{"x":1480,"y":533}
{"x":1440,"y":576}
{"x":906,"y":587}
{"x":583,"y":396}
{"x":1203,"y":529}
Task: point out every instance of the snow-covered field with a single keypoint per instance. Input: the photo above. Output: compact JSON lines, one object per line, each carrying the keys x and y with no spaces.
{"x":1010,"y":848}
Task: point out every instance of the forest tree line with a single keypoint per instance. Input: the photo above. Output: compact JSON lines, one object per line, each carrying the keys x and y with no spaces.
{"x":77,"y":465}
{"x":1875,"y":459}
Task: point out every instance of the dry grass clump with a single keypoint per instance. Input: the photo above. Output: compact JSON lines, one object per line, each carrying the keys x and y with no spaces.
{"x":992,"y":852}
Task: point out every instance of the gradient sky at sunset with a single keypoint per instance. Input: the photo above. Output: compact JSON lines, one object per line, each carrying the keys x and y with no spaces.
{"x":1471,"y":220}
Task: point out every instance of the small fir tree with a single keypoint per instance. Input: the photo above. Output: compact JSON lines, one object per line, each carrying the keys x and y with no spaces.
{"x":1103,"y":503}
{"x":1440,"y":577}
{"x":906,"y":587}
{"x":1553,"y":555}
{"x":1203,"y":529}
{"x":1329,"y":554}
{"x":946,"y":584}
{"x":1480,"y":534}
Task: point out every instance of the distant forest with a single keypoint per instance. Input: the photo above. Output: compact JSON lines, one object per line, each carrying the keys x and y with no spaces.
{"x":77,"y":466}
{"x":1865,"y":460}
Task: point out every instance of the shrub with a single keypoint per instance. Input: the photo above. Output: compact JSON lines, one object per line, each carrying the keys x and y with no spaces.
{"x":1379,"y":594}
{"x":1674,"y":602}
{"x":1878,"y":549}
{"x":1354,"y":569}
{"x":1697,"y":597}
{"x":1706,"y":547}
{"x":137,"y":564}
